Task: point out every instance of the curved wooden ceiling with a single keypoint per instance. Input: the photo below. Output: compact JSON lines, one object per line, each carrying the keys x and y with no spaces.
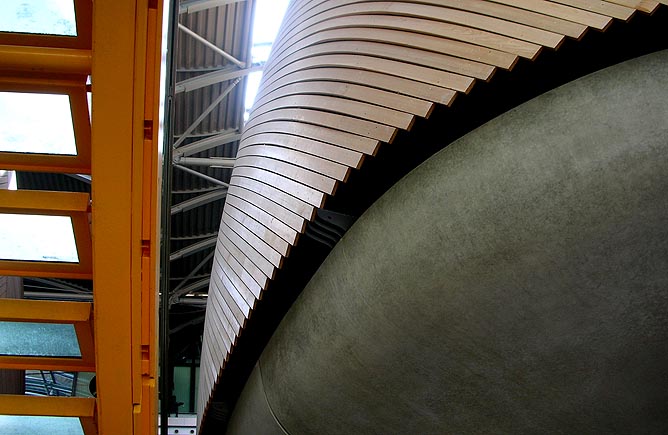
{"x":346,"y":76}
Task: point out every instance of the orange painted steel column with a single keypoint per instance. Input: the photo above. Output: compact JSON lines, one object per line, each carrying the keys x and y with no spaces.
{"x":127,"y":41}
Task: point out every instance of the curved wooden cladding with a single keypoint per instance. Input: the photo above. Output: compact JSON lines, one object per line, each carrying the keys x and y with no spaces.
{"x":344,"y":77}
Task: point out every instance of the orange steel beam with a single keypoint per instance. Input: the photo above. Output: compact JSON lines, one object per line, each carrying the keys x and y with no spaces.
{"x":23,"y":310}
{"x":126,"y":147}
{"x":42,"y":202}
{"x":74,"y":205}
{"x":78,"y":314}
{"x":45,"y":60}
{"x":47,"y":406}
{"x":47,"y":363}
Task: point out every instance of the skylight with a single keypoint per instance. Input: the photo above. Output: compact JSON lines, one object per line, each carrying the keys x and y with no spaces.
{"x":268,"y":18}
{"x":39,"y":339}
{"x":36,"y":123}
{"x":25,"y":425}
{"x":50,"y":17}
{"x":26,"y":237}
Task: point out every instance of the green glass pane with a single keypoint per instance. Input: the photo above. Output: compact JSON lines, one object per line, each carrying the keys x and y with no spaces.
{"x":28,"y":237}
{"x":38,"y":339}
{"x":36,"y":123}
{"x":22,"y":425}
{"x":47,"y":17}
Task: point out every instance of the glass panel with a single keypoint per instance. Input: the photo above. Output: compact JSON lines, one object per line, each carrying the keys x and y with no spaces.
{"x":266,"y":23}
{"x":90,"y":106}
{"x":57,"y":383}
{"x":38,"y":339}
{"x":36,"y":123}
{"x":37,"y":238}
{"x":22,"y":425}
{"x":7,"y":179}
{"x":49,"y":17}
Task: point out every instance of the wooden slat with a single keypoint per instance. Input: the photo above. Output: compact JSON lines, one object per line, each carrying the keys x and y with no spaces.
{"x":248,"y":251}
{"x":209,"y":370}
{"x":326,"y":167}
{"x":351,"y":91}
{"x":347,"y":158}
{"x":343,"y":29}
{"x":425,"y":24}
{"x":231,"y":304}
{"x":229,"y":263}
{"x":648,"y":6}
{"x":236,"y":295}
{"x":601,"y":7}
{"x":242,"y":259}
{"x":269,"y":254}
{"x":434,"y":35}
{"x":249,"y":201}
{"x":298,"y":190}
{"x":207,"y":363}
{"x":315,"y":177}
{"x":287,"y":235}
{"x":243,"y":291}
{"x":594,"y":20}
{"x":257,"y":235}
{"x":468,"y":19}
{"x":390,"y":67}
{"x":226,"y":258}
{"x":296,"y":122}
{"x":520,"y":16}
{"x":220,"y":323}
{"x":260,"y":230}
{"x":233,"y":327}
{"x":390,"y":44}
{"x":342,"y":106}
{"x":215,"y":338}
{"x":383,"y":58}
{"x":394,"y":84}
{"x":286,"y":200}
{"x":229,"y":331}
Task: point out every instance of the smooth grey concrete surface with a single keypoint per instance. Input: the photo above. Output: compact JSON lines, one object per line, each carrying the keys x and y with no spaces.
{"x":515,"y":283}
{"x":252,"y":414}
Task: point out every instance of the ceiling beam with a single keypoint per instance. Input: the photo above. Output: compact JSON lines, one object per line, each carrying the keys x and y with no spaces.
{"x":176,"y":292}
{"x":199,"y":201}
{"x":212,"y":162}
{"x":202,"y":176}
{"x":223,"y":75}
{"x":206,"y":112}
{"x":195,"y":321}
{"x":193,"y":249}
{"x":197,"y":285}
{"x":212,"y":46}
{"x":228,"y":136}
{"x":188,"y":7}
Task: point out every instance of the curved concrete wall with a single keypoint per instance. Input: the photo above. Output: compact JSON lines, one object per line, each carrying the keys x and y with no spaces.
{"x":514,"y":283}
{"x":346,"y":77}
